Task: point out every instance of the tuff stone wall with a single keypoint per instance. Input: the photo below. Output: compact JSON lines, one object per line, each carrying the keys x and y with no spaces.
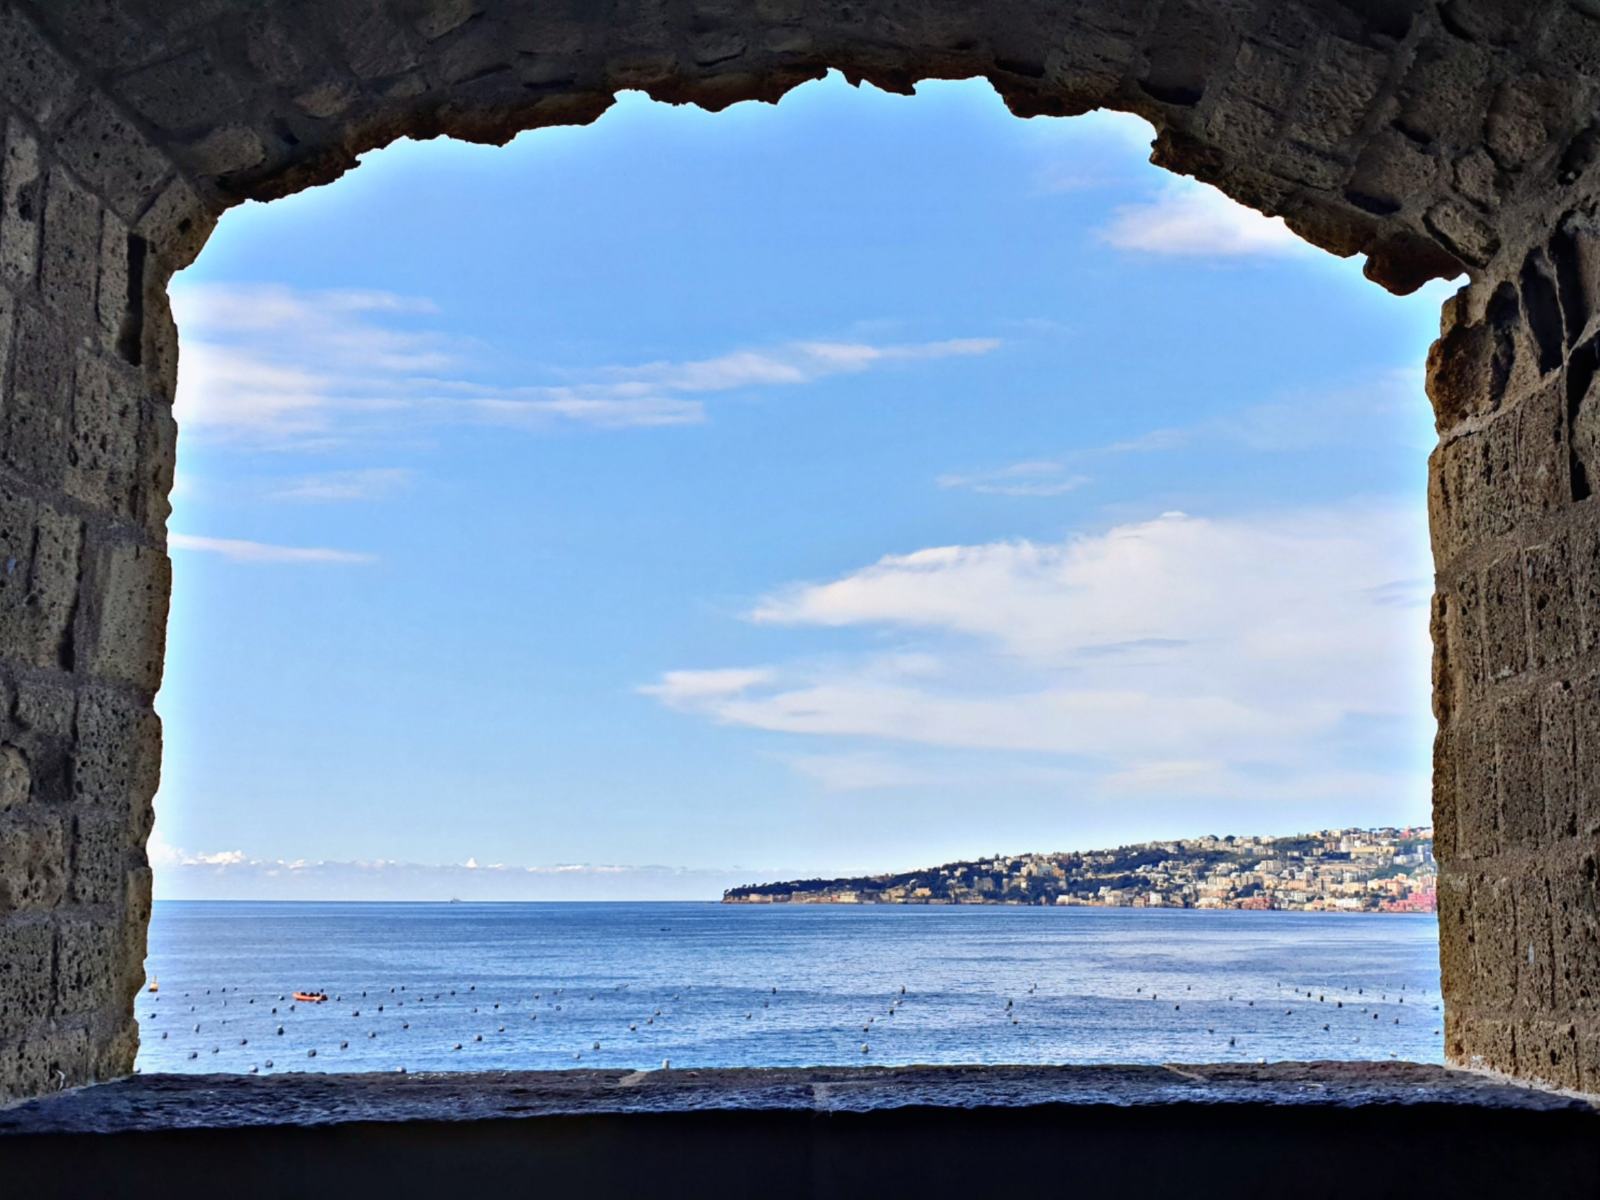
{"x":1516,"y":624}
{"x":1434,"y":137}
{"x":86,"y":451}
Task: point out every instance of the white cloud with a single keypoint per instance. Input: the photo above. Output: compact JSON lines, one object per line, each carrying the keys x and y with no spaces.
{"x":241,"y":551}
{"x":602,"y":412}
{"x":1036,"y":478}
{"x":692,"y":687}
{"x":272,"y":364}
{"x":235,"y":875}
{"x":367,"y":483}
{"x":1193,"y":219}
{"x":1165,"y":652}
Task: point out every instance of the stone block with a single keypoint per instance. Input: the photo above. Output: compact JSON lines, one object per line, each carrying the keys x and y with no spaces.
{"x":1535,"y":944}
{"x":107,"y":31}
{"x":1444,"y":794}
{"x":118,"y":747}
{"x":1459,"y":380}
{"x":1390,"y":169}
{"x":1484,"y":1042}
{"x":87,"y":975}
{"x":38,"y":410}
{"x":102,"y":460}
{"x":45,"y":1061}
{"x":158,"y":452}
{"x":113,"y":298}
{"x":1518,"y":775}
{"x":70,"y":258}
{"x":1462,"y":231}
{"x":132,"y":583}
{"x":1505,"y":626}
{"x":1440,"y":98}
{"x":15,"y":778}
{"x":38,"y":576}
{"x":16,"y":557}
{"x":21,"y":206}
{"x":33,"y":76}
{"x":132,"y":933}
{"x":1461,"y":599}
{"x":176,"y":225}
{"x":1584,"y":556}
{"x":1575,"y":916}
{"x":1586,"y":734}
{"x":35,"y":861}
{"x":439,"y":17}
{"x":1558,"y":759}
{"x":53,"y":586}
{"x":1478,"y":178}
{"x":159,"y":345}
{"x":1574,"y":250}
{"x":105,"y":151}
{"x":227,"y":149}
{"x":1477,"y":802}
{"x":165,"y":93}
{"x":374,"y":42}
{"x":1544,"y":476}
{"x":114,"y":1053}
{"x":1496,"y":949}
{"x":1340,"y":85}
{"x":1308,"y":165}
{"x":100,"y":840}
{"x":1547,"y":1051}
{"x":1589,"y":1056}
{"x":1457,"y":960}
{"x":1552,"y":609}
{"x":26,"y":984}
{"x":1478,"y":495}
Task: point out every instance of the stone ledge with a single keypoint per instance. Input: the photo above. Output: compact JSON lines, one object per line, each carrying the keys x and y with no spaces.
{"x":1314,"y":1131}
{"x":147,"y":1103}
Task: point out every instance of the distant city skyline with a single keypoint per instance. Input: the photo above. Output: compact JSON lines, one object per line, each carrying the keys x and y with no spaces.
{"x":858,"y":483}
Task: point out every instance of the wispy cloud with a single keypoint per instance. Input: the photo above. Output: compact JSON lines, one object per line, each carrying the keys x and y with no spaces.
{"x":1060,"y":475}
{"x":1195,"y":220}
{"x":1238,"y":641}
{"x":276,"y":365}
{"x":1036,"y":478}
{"x":1307,"y":420}
{"x":236,"y":875}
{"x":366,"y":483}
{"x":240,"y":551}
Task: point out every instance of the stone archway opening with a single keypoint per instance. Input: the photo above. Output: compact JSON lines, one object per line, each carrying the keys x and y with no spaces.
{"x":1431,"y":140}
{"x":298,"y":785}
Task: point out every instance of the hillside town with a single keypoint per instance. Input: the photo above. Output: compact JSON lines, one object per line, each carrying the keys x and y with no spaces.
{"x":1334,"y":870}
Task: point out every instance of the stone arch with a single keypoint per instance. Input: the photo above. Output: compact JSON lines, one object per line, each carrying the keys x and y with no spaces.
{"x":1435,"y":137}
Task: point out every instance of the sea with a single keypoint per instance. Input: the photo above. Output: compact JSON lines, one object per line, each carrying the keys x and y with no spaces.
{"x":467,"y":986}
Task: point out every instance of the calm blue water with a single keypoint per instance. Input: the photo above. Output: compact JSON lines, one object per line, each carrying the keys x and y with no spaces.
{"x":1084,"y":985}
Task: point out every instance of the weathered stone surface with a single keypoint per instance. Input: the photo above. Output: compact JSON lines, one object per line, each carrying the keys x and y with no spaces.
{"x":133,"y":583}
{"x":108,"y":153}
{"x":102,"y":457}
{"x":26,"y":974}
{"x":21,"y":206}
{"x":34,"y":862}
{"x":38,"y":408}
{"x":71,"y":256}
{"x":33,"y":76}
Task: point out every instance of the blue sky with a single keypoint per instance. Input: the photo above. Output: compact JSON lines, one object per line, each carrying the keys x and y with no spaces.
{"x":856,"y":483}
